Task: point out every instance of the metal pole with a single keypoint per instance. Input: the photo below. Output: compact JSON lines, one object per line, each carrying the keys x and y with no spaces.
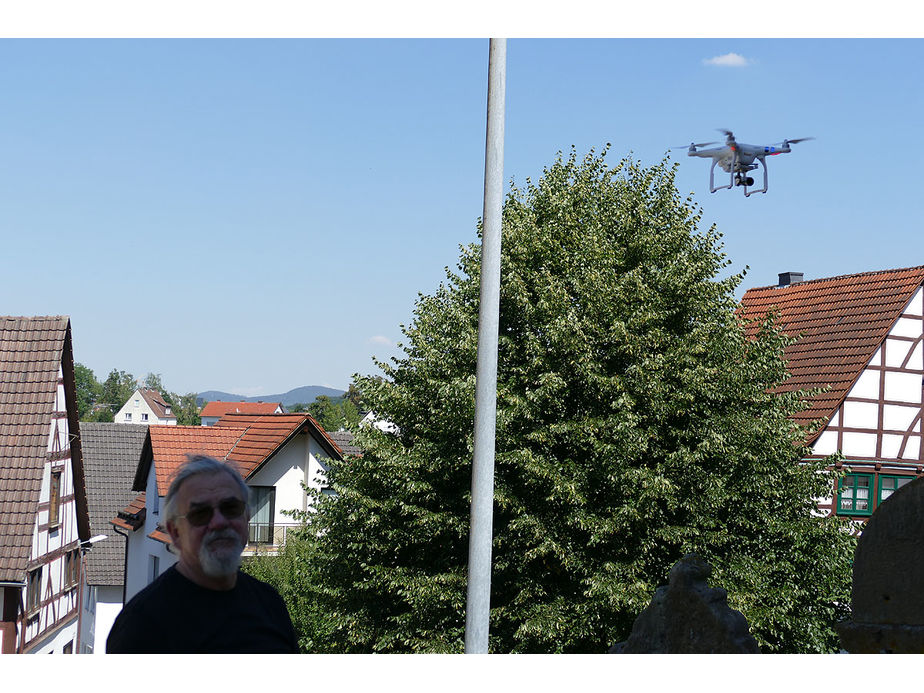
{"x":478,"y":606}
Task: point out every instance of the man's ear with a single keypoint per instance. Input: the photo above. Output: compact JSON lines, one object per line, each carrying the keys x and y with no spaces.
{"x":174,"y":534}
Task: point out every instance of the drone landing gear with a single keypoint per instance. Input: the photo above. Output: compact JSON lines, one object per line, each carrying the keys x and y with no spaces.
{"x":748,"y":181}
{"x":712,"y":186}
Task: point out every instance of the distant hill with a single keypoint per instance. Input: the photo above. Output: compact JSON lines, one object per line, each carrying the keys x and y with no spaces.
{"x":303,"y":395}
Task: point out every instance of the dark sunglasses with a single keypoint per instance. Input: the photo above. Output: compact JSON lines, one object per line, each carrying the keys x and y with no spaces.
{"x":231,"y":508}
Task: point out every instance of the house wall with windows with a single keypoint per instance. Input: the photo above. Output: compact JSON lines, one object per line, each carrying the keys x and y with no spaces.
{"x":877,"y":428}
{"x":55,"y":573}
{"x":277,"y":485}
{"x":147,"y":550}
{"x":146,"y":407}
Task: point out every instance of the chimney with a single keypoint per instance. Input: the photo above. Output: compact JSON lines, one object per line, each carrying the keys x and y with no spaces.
{"x":789,"y":278}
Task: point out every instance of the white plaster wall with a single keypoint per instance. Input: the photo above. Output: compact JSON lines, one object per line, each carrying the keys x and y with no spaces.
{"x":55,"y":643}
{"x":903,"y":387}
{"x":861,"y":414}
{"x":867,"y":386}
{"x":136,"y":406}
{"x":285,"y":471}
{"x":141,"y":547}
{"x":108,"y":606}
{"x":859,"y":444}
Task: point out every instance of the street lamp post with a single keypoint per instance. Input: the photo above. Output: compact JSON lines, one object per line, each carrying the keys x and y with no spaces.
{"x":478,"y":605}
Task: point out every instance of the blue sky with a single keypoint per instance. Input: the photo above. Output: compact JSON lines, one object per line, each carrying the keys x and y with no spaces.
{"x":257,"y":215}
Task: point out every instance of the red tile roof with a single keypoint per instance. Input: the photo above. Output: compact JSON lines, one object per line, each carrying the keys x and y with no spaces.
{"x":841,"y":320}
{"x":218,"y":408}
{"x":171,"y":445}
{"x":248,"y":440}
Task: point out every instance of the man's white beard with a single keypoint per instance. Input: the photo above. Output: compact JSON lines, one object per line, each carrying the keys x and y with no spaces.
{"x":220,"y":560}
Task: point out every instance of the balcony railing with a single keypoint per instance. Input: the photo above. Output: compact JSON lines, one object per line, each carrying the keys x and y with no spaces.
{"x":268,"y":537}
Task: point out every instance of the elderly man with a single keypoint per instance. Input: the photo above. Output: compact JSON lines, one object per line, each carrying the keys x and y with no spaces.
{"x":204,"y":603}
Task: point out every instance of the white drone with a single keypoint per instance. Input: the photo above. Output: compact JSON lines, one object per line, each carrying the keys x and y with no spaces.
{"x":737,"y":159}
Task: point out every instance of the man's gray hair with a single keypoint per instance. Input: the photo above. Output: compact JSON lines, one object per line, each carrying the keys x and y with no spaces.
{"x":201,"y":464}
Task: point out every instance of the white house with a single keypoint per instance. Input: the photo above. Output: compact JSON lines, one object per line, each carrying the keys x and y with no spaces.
{"x":146,"y":407}
{"x":275,"y":453}
{"x":213,"y":411}
{"x":861,"y":338}
{"x":44,"y":524}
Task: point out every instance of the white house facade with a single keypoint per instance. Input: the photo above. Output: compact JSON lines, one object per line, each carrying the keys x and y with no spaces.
{"x":274,"y":453}
{"x":146,"y":407}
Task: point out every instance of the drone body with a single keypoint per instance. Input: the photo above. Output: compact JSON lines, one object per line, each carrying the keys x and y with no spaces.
{"x":738,"y":159}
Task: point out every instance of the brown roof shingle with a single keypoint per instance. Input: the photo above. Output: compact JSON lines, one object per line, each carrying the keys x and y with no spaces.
{"x":31,"y":351}
{"x":157,"y":403}
{"x":841,"y":320}
{"x":110,"y":452}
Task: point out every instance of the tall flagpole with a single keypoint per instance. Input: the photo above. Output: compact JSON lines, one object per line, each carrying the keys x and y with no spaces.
{"x":478,"y":605}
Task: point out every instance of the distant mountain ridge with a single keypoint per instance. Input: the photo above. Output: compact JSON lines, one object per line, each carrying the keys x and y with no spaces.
{"x":300,"y":395}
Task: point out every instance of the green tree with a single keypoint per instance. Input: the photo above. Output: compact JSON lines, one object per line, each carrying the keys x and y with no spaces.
{"x":185,"y":408}
{"x":635,"y":423}
{"x":89,"y":390}
{"x":117,"y":389}
{"x":153,"y":381}
{"x":327,"y":413}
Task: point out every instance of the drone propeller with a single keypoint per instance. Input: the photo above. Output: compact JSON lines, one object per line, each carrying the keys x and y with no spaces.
{"x":727,"y":133}
{"x":694,"y":145}
{"x":796,"y":141}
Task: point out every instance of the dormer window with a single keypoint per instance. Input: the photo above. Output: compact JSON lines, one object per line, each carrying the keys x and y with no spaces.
{"x":168,"y":411}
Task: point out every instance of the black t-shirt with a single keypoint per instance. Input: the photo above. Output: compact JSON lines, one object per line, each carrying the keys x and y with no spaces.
{"x":175,"y":615}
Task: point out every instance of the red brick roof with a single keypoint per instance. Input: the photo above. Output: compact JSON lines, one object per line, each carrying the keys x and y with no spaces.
{"x":217,"y":408}
{"x":32,"y":349}
{"x":841,"y":320}
{"x":247,"y":440}
{"x":171,"y":445}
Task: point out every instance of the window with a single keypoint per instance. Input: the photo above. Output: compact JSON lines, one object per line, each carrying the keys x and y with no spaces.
{"x":144,"y":417}
{"x":34,"y":590}
{"x":69,"y":648}
{"x":263,"y":509}
{"x":71,"y":568}
{"x":128,"y":416}
{"x":54,"y":503}
{"x":854,"y":497}
{"x":890,"y":484}
{"x":153,"y":568}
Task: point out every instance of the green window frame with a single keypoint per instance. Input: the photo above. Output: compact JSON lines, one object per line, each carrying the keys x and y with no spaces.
{"x":855,"y":494}
{"x":889,"y":484}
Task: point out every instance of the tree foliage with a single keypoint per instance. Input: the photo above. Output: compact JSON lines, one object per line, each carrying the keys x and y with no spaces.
{"x":334,"y":414}
{"x":89,"y":390}
{"x":635,"y":423}
{"x":100,"y":401}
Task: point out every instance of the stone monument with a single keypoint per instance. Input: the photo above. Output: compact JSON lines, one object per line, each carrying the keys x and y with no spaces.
{"x":689,"y":617}
{"x":888,"y":578}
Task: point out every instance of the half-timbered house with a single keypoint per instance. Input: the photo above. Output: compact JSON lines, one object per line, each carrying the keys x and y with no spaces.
{"x":275,"y":453}
{"x":860,"y":338}
{"x":43,"y":508}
